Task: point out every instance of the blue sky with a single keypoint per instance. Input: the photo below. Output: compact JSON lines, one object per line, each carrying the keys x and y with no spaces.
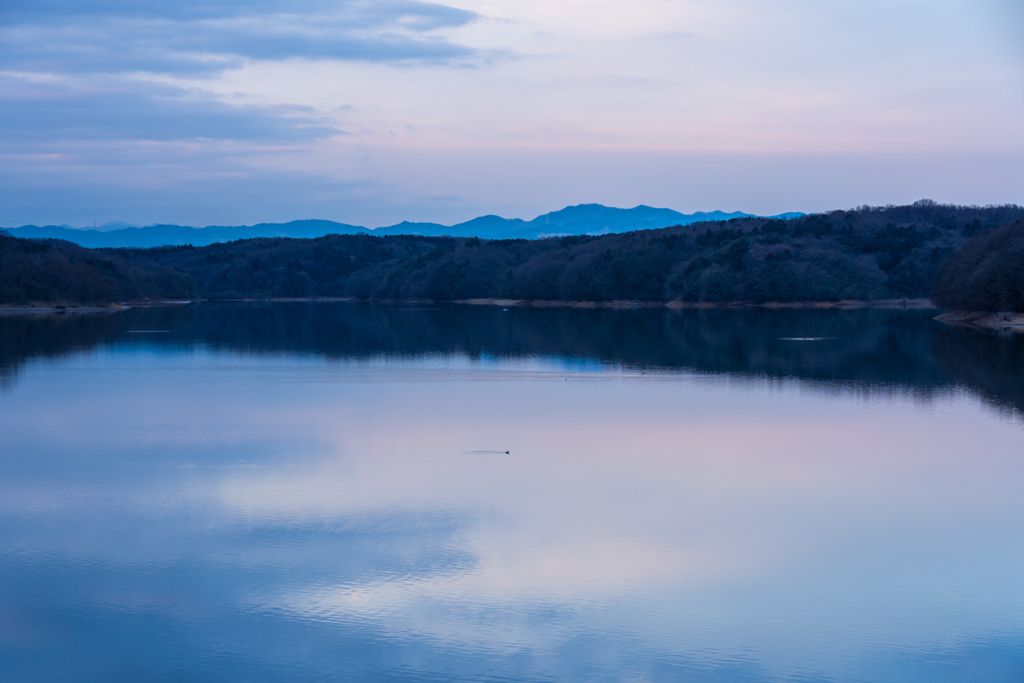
{"x":375,"y":112}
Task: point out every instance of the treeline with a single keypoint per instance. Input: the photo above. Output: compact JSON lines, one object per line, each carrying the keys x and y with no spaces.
{"x":986,"y":273}
{"x":866,"y":253}
{"x":58,"y":272}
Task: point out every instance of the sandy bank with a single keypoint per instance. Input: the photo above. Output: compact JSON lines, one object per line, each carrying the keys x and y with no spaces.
{"x":886,"y":303}
{"x":49,"y":307}
{"x":985,"y":321}
{"x":677,"y":305}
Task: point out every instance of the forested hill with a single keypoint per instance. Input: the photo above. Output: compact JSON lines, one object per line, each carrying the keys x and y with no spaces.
{"x":986,"y":273}
{"x":58,"y":272}
{"x":868,"y":253}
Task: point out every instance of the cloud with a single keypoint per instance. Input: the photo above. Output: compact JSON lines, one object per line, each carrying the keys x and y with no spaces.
{"x":192,"y":37}
{"x":108,"y":109}
{"x":85,"y":71}
{"x":184,"y":10}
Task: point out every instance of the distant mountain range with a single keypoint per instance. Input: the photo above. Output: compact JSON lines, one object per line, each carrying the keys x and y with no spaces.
{"x":583,"y":219}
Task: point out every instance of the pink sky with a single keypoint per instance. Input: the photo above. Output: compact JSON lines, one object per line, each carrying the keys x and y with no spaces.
{"x":374,"y":113}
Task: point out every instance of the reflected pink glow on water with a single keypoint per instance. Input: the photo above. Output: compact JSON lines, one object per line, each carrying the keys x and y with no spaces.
{"x":711,"y":517}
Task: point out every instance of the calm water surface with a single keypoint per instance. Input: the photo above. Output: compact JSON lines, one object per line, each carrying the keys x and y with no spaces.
{"x":320,"y":492}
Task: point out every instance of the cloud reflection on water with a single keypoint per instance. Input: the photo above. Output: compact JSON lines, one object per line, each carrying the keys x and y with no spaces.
{"x":650,"y":526}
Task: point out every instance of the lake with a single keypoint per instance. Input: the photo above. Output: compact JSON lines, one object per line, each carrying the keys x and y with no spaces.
{"x":351,"y":492}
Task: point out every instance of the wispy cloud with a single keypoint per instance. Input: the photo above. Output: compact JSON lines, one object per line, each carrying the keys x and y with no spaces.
{"x":51,"y":112}
{"x":75,"y":71}
{"x":195,"y":37}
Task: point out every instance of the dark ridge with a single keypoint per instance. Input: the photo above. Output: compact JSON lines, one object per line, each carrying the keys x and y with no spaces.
{"x":862,"y":254}
{"x":986,"y":273}
{"x":58,"y":272}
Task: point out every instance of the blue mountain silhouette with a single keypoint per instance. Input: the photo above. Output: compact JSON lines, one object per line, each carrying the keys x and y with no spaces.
{"x":583,"y":219}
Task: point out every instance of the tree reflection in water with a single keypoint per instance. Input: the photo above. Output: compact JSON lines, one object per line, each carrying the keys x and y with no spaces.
{"x":868,"y":350}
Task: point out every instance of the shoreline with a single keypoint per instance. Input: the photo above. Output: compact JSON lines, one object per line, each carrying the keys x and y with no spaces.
{"x":42,"y":307}
{"x":680,"y":305}
{"x":981,"y":320}
{"x":46,"y":307}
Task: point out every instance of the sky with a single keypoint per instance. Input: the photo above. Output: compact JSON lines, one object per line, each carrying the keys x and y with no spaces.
{"x":230,"y":112}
